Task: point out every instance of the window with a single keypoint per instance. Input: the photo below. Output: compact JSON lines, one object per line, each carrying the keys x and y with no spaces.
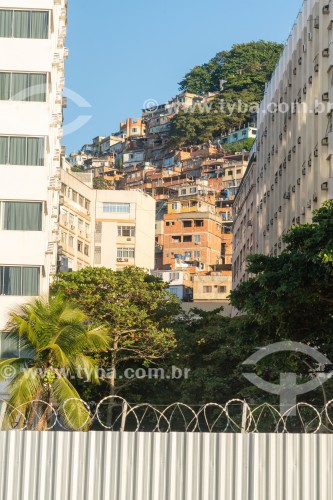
{"x":198,"y":223}
{"x":128,"y":231}
{"x":176,"y":239}
{"x":71,"y":241}
{"x":238,"y":171}
{"x":80,"y":246}
{"x":98,"y":255}
{"x":64,"y":238}
{"x":74,"y":196}
{"x":122,"y":208}
{"x":183,"y":191}
{"x":207,"y":289}
{"x":193,"y":190}
{"x":19,"y":281}
{"x":9,"y":348}
{"x":81,"y":201}
{"x":23,"y":87}
{"x":230,"y":172}
{"x":86,"y":250}
{"x":21,"y":216}
{"x":187,"y":255}
{"x":197,"y":254}
{"x":21,"y":151}
{"x":174,"y":276}
{"x":134,"y":130}
{"x":24,"y":24}
{"x":80,"y":224}
{"x":125,"y":253}
{"x":197,"y":238}
{"x":187,"y":223}
{"x":222,"y":289}
{"x":187,"y":239}
{"x":173,"y":290}
{"x":174,"y":206}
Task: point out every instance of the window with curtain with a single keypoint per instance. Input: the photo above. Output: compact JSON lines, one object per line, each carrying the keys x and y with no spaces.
{"x":22,"y":216}
{"x":5,"y":84}
{"x":22,"y":151}
{"x":23,"y":87}
{"x":24,"y":24}
{"x":6,"y":23}
{"x":19,"y":281}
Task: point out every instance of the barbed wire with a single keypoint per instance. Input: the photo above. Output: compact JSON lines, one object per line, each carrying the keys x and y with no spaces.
{"x":114,"y":413}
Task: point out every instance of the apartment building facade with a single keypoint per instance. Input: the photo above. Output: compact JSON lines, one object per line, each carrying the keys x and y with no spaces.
{"x":103,"y":228}
{"x":245,"y":220}
{"x":32,"y":54}
{"x":295,"y":130}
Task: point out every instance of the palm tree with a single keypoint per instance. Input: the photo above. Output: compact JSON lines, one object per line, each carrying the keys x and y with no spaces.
{"x":57,"y":341}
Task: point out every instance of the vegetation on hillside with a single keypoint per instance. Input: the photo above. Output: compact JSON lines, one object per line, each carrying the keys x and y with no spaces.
{"x":238,"y":76}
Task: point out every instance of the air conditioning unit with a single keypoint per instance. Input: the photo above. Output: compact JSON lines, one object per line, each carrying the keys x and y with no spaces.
{"x":249,"y":223}
{"x":326,"y":9}
{"x":299,"y":181}
{"x":326,"y":52}
{"x":315,"y":197}
{"x":324,"y":141}
{"x":72,"y":226}
{"x":286,"y":195}
{"x":293,"y":189}
{"x":324,"y":186}
{"x":326,"y":96}
{"x":316,"y":68}
{"x":128,"y":239}
{"x":316,"y":22}
{"x":298,"y":220}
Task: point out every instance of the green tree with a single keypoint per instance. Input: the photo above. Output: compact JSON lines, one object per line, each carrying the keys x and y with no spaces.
{"x":294,"y":290}
{"x":56,"y":343}
{"x":244,"y":66}
{"x":244,"y":69}
{"x":101,"y":183}
{"x":245,"y":145}
{"x":136,"y":309}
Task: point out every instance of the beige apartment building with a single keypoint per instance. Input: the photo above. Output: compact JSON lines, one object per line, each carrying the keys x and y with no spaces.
{"x":295,"y":134}
{"x":102,"y":228}
{"x":244,"y":216}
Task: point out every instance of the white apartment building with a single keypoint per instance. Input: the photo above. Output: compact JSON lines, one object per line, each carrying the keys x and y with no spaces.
{"x":295,"y":133}
{"x":104,"y":228}
{"x":32,"y":53}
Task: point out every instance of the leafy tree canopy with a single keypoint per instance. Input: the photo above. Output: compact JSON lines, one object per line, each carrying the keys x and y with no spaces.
{"x":136,"y":309}
{"x":244,"y":70}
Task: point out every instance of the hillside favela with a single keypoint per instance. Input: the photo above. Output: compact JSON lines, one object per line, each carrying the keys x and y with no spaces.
{"x":166,"y":251}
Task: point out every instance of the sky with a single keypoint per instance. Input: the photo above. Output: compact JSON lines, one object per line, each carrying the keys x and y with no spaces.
{"x":125,"y":53}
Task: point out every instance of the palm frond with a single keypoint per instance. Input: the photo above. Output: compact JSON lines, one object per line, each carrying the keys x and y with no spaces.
{"x":72,"y":411}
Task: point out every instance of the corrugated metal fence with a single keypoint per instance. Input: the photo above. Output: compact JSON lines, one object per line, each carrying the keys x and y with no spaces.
{"x":156,"y":466}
